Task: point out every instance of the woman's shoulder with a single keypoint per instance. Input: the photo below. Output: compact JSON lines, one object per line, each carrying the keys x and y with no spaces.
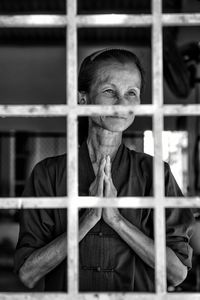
{"x":144,"y":161}
{"x":51,"y":163}
{"x":140,"y":157}
{"x":145,"y":158}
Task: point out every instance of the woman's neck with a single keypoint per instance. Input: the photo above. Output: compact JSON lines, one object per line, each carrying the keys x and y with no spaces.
{"x":102,"y":142}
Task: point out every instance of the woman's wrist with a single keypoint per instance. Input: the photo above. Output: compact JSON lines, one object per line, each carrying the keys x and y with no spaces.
{"x":93,"y":214}
{"x":115,"y":221}
{"x":89,"y":218}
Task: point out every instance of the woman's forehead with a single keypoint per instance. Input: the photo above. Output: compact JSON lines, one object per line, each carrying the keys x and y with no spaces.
{"x":107,"y":71}
{"x":113,"y":64}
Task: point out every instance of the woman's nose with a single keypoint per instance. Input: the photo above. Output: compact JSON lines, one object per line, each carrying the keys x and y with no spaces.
{"x":121,"y":100}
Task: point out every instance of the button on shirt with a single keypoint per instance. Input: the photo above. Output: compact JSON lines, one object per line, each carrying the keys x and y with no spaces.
{"x":106,"y":262}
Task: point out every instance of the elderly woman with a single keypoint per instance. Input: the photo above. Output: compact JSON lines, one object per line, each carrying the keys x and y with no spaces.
{"x":116,"y":251}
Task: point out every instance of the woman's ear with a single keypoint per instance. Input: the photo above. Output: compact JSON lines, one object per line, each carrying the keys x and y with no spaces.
{"x":82,"y":98}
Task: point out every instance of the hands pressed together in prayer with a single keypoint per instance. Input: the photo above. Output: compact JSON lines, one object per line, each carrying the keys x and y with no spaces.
{"x":44,"y":259}
{"x":133,"y":236}
{"x":103,"y":186}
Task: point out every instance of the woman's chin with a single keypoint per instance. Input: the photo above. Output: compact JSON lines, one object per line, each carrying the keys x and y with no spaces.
{"x":116,"y":127}
{"x":117,"y":124}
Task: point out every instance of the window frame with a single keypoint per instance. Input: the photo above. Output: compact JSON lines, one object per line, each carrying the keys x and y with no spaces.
{"x":71,"y":21}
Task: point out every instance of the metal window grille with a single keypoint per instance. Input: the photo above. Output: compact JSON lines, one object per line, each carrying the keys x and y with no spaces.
{"x":156,"y":20}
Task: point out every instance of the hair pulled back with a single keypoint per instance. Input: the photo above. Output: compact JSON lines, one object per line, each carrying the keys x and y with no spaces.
{"x":92,"y":62}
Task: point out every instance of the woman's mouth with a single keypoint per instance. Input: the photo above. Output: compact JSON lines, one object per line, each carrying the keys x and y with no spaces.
{"x":117,"y":117}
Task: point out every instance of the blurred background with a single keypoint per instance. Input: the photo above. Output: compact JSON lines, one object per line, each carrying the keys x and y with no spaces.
{"x":33,"y":71}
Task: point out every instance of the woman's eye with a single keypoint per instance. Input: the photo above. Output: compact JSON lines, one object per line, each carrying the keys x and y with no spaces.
{"x":109,"y":92}
{"x":132,"y":93}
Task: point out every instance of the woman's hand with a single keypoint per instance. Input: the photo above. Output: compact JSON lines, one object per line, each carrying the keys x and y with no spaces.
{"x":93,"y":214}
{"x":111,"y":216}
{"x":103,"y":186}
{"x":88,"y":220}
{"x":97,"y":186}
{"x":110,"y":190}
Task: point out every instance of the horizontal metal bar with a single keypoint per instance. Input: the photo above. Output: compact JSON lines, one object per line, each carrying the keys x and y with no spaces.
{"x":33,"y":21}
{"x":138,"y":202}
{"x":133,"y":202}
{"x":181,"y":19}
{"x":186,"y":110}
{"x":137,"y":20}
{"x":182,"y":202}
{"x":141,"y":20}
{"x":64,"y":110}
{"x":100,"y":20}
{"x":123,"y":20}
{"x":33,"y":110}
{"x":100,"y":296}
{"x":39,"y":202}
{"x":113,"y":20}
{"x":86,"y":202}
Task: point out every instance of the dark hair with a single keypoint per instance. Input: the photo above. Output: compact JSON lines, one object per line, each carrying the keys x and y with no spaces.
{"x":91,"y":63}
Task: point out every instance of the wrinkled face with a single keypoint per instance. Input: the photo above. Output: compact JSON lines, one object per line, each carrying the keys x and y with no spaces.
{"x":115,"y":84}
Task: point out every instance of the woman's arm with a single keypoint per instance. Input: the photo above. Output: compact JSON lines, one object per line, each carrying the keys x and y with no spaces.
{"x":136,"y":239}
{"x":45,"y":259}
{"x":88,"y":220}
{"x":144,"y":246}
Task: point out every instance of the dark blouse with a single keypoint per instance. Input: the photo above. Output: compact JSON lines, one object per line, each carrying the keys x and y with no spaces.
{"x":106,"y":262}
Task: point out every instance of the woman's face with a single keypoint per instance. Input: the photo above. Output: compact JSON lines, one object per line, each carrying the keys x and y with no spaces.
{"x":115,"y":84}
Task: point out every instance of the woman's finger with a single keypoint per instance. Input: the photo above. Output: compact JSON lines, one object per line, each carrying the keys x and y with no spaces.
{"x":103,"y":163}
{"x":107,"y":185}
{"x":100,"y":184}
{"x":108,"y":167}
{"x":100,"y":177}
{"x":101,"y":167}
{"x":109,"y":188}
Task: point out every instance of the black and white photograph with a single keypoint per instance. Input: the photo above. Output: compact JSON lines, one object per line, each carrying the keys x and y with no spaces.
{"x":99,"y":149}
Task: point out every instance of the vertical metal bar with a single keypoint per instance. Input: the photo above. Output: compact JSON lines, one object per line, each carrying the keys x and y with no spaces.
{"x":12,"y":173}
{"x":159,"y":215}
{"x":72,"y":157}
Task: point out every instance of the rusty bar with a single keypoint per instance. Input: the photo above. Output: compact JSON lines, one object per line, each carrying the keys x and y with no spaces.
{"x":108,"y":20}
{"x":186,"y":110}
{"x":39,"y":202}
{"x":72,"y":149}
{"x":62,"y":202}
{"x":159,"y":213}
{"x":12,"y":167}
{"x":100,"y":20}
{"x":64,"y":110}
{"x":33,"y":110}
{"x":112,"y":20}
{"x":28,"y":21}
{"x":100,"y":296}
{"x":181,"y":19}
